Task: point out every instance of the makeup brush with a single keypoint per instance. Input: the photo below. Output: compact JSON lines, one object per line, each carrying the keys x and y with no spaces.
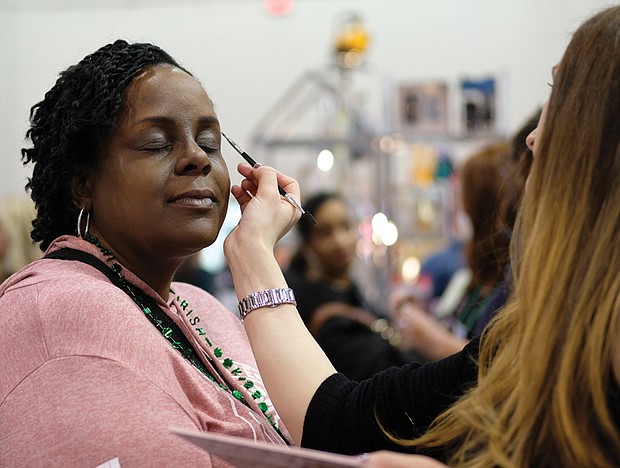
{"x":304,"y":214}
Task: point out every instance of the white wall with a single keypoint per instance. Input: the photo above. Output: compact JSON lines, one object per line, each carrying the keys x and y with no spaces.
{"x":247,"y":59}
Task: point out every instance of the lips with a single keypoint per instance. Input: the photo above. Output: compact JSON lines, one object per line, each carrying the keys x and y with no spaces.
{"x":199,"y":198}
{"x":343,"y":256}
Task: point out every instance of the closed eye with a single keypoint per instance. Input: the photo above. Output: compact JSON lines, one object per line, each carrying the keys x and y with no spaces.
{"x":208,"y":143}
{"x":209,"y":149}
{"x":157,"y":149}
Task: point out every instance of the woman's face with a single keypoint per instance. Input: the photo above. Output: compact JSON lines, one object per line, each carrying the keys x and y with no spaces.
{"x":532,"y":139}
{"x":161,"y":189}
{"x":333,"y":240}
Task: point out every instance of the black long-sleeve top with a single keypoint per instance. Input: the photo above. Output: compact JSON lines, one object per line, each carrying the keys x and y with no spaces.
{"x":342,"y":415}
{"x":352,"y":347}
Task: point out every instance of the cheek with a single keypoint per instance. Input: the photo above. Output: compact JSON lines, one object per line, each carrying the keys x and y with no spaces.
{"x":220,"y":173}
{"x":147,"y":183}
{"x":353,"y":237}
{"x":224,"y":186}
{"x":137,"y":195}
{"x":321,"y":248}
{"x":538,"y":131}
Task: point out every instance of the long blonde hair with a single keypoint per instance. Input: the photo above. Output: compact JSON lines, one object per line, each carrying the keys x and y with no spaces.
{"x":545,"y":366}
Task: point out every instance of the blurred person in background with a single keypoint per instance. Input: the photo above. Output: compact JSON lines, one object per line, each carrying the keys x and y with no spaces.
{"x":482,"y":178}
{"x":435,"y":338}
{"x":357,"y":338}
{"x":16,"y":215}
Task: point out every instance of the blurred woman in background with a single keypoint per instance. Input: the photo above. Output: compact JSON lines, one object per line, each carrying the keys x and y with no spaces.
{"x":357,"y":338}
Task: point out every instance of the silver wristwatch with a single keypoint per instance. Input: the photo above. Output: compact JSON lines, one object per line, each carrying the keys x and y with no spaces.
{"x":268,"y":298}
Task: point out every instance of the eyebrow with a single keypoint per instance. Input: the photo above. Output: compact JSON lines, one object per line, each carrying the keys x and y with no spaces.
{"x":207,"y":121}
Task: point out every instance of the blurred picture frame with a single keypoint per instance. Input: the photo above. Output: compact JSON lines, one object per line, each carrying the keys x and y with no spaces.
{"x":423,"y":107}
{"x":479,"y":104}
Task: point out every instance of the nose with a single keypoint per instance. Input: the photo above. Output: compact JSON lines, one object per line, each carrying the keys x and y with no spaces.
{"x":194,"y":160}
{"x":529,"y":140}
{"x":344,"y":238}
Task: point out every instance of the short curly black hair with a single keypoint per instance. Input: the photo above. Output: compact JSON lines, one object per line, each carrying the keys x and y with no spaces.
{"x":69,"y":127}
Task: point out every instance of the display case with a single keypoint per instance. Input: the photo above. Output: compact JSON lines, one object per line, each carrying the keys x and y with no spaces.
{"x":403,"y":170}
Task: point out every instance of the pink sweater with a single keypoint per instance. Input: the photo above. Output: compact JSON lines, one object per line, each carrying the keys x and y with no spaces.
{"x":86,"y":378}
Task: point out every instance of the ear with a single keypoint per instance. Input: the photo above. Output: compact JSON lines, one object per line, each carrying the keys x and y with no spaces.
{"x":81,"y":190}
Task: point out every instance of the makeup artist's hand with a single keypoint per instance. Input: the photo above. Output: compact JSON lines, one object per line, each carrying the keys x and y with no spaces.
{"x":291,"y":363}
{"x":266,"y":215}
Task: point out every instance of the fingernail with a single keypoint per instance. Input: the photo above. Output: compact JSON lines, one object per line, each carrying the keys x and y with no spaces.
{"x":362,"y":458}
{"x":257,"y":165}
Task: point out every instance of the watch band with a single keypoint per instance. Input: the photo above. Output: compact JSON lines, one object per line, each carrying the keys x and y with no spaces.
{"x":268,"y":298}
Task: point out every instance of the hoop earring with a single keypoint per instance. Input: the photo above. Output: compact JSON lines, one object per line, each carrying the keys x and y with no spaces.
{"x":79,"y":224}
